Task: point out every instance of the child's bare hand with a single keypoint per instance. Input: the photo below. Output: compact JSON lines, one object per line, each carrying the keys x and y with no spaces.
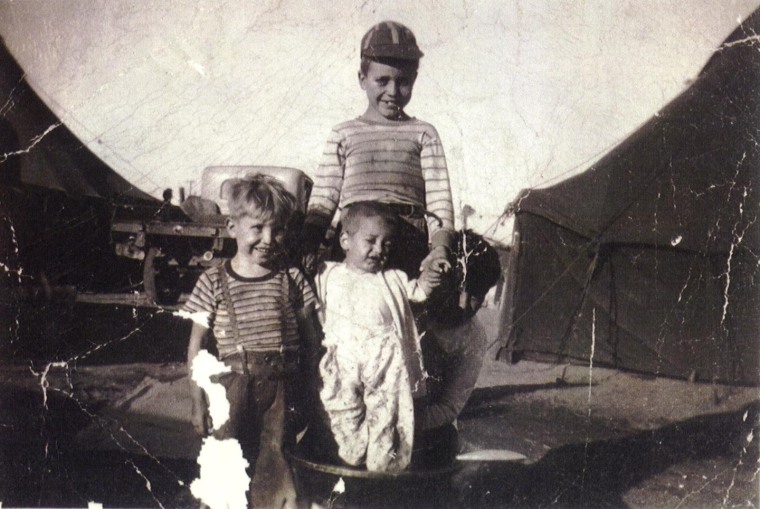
{"x":437,"y":260}
{"x":429,"y":280}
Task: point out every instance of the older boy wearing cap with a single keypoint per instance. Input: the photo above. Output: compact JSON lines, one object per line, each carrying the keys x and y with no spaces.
{"x":387,"y":156}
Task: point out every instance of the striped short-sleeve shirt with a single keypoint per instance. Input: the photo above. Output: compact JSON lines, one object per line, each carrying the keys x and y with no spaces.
{"x":394,"y":162}
{"x":265,"y":308}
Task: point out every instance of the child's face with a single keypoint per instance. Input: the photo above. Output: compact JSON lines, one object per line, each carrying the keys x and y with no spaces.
{"x":367,"y":248}
{"x":259,"y":239}
{"x":389,"y":89}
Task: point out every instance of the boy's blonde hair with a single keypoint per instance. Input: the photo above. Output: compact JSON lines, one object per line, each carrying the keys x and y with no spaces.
{"x":263,"y":196}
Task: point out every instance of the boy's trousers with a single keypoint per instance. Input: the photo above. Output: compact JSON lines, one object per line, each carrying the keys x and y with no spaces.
{"x":258,"y":404}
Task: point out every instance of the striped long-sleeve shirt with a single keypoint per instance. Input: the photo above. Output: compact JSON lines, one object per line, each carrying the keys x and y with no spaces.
{"x":395,"y":162}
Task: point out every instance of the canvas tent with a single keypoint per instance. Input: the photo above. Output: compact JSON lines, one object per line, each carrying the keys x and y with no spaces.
{"x":648,"y":261}
{"x":38,"y":149}
{"x":56,"y":197}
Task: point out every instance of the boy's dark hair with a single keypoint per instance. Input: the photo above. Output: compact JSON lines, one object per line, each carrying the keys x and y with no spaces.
{"x":478,"y":265}
{"x":352,"y":214}
{"x":477,"y":268}
{"x":407,"y":65}
{"x":263,"y":193}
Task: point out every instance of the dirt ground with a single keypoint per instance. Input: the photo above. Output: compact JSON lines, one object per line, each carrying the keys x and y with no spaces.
{"x":119,"y":434}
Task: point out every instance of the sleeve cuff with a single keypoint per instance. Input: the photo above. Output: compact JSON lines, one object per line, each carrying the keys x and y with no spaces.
{"x":443,"y":238}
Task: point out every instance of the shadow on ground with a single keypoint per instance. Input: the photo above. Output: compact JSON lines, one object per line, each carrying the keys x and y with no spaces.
{"x":598,"y":473}
{"x":43,"y":465}
{"x":578,"y":461}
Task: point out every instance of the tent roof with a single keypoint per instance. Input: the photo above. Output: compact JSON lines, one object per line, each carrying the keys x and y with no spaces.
{"x":36,"y":148}
{"x":688,"y":178}
{"x":649,"y":260}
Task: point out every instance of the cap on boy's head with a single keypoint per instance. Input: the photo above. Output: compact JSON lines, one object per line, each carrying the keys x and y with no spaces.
{"x":389,"y":39}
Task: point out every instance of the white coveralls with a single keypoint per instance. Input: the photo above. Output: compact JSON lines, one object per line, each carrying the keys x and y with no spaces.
{"x":372,"y":367}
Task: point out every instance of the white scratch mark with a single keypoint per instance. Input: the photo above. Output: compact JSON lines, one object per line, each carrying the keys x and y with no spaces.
{"x":18,"y":272}
{"x":698,"y":490}
{"x":747,"y":40}
{"x":338,"y":489}
{"x":222,"y":465}
{"x":749,"y":438}
{"x":591,"y":357}
{"x":9,"y":103}
{"x":676,"y":240}
{"x":44,"y":383}
{"x":462,"y":261}
{"x":148,"y":485}
{"x":35,"y":141}
{"x":221,"y":461}
{"x":685,"y":285}
{"x":199,"y":317}
{"x":14,"y":241}
{"x":590,"y":385}
{"x":12,"y":271}
{"x":197,"y":67}
{"x":728,"y":283}
{"x":340,"y":486}
{"x":738,"y":238}
{"x":205,"y":366}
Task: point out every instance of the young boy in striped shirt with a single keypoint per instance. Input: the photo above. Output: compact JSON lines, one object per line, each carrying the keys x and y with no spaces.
{"x":259,"y":312}
{"x":387,"y":156}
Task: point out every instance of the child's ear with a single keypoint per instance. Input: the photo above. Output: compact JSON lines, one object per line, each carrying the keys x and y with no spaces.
{"x":230,"y":223}
{"x":343,"y":240}
{"x":362,"y":80}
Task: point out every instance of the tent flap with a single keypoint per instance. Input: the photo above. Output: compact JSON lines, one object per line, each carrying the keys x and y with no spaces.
{"x":649,"y":259}
{"x":37,"y":149}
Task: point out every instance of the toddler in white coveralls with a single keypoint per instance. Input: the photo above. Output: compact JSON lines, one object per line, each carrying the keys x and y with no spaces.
{"x":372,"y":367}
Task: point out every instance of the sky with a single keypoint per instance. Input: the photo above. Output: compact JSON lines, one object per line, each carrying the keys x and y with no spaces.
{"x":523,"y":93}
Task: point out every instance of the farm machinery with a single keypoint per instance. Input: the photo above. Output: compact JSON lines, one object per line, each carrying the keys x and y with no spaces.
{"x":176,"y":243}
